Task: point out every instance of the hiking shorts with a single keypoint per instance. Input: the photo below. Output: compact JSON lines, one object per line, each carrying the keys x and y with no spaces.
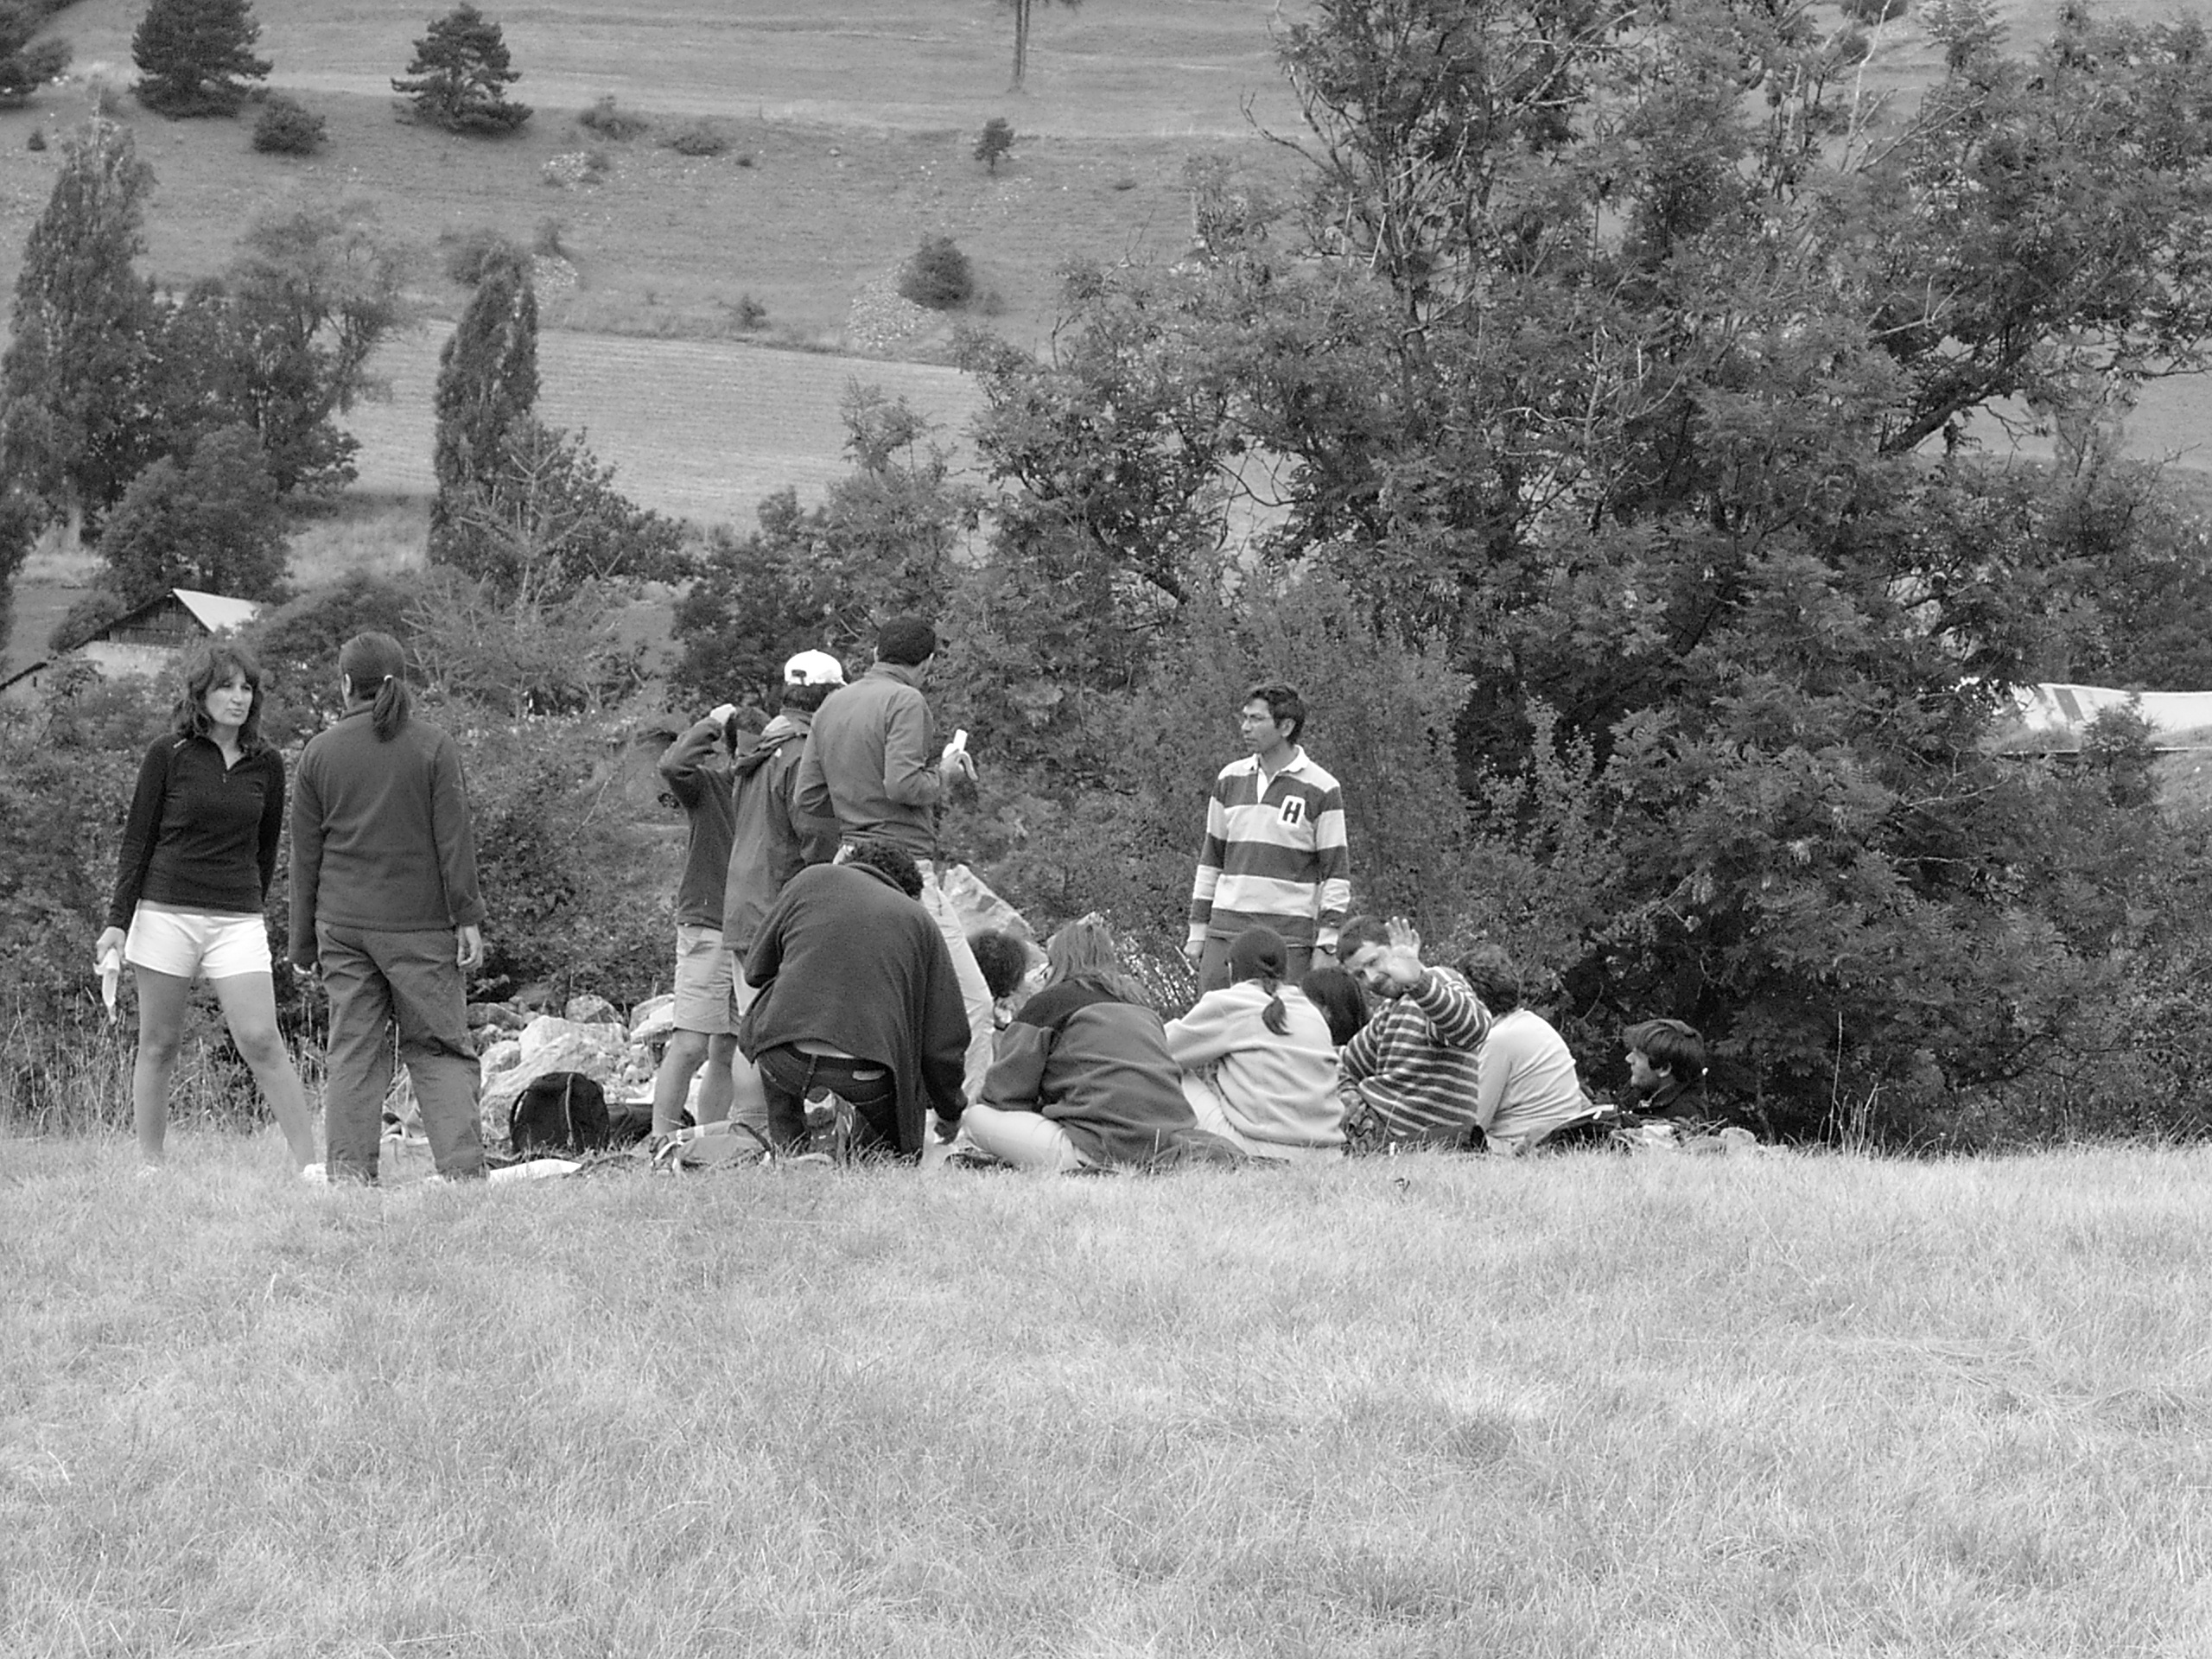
{"x":183,"y":943}
{"x":706,"y":982}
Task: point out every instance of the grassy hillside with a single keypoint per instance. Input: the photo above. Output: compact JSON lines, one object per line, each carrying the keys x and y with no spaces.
{"x":1582,"y":1405}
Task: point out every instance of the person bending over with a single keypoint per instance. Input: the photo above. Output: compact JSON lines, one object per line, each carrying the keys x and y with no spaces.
{"x":1527,"y":1085}
{"x":1082,"y":1078}
{"x":856,"y":994}
{"x":1336,"y":991}
{"x":1259,"y":1068}
{"x":198,"y":850}
{"x":1412,"y":1076}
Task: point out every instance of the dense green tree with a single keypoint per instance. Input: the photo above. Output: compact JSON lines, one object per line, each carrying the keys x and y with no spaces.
{"x":74,"y":423}
{"x":27,"y":63}
{"x":196,"y":56}
{"x":459,"y":77}
{"x":1605,"y":369}
{"x":281,"y":341}
{"x":211,"y":521}
{"x":487,"y":379}
{"x":883,"y":540}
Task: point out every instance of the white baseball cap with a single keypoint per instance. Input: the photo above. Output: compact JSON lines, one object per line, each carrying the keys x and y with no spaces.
{"x":814,"y":667}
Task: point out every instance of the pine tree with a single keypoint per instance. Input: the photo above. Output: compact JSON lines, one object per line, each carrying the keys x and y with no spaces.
{"x":73,"y":422}
{"x":196,"y":55}
{"x":461,"y":73}
{"x":487,"y":383}
{"x":26,"y":66}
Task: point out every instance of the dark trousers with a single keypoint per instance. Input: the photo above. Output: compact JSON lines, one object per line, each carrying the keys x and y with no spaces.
{"x":410,"y":982}
{"x":1213,"y":965}
{"x":787,"y":1074}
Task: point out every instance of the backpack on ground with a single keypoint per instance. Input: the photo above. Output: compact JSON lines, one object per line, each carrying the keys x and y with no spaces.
{"x":558,"y":1115}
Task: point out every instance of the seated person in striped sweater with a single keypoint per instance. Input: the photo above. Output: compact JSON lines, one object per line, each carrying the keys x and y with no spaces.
{"x":1412,"y":1075}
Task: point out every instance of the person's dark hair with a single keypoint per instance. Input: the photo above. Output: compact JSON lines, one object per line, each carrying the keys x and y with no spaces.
{"x":808,"y":698}
{"x":886,"y":859}
{"x":1671,"y":1044}
{"x":1082,"y":952}
{"x":1003,"y":958}
{"x":1258,"y":953}
{"x":1359,"y":931}
{"x":1493,"y":977}
{"x":375,"y":668}
{"x":1283,"y":703}
{"x":1338,"y":993}
{"x":207,"y":666}
{"x":908,"y":641}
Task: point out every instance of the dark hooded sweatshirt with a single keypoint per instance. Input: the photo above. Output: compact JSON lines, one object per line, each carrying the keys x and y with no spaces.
{"x":771,"y":840}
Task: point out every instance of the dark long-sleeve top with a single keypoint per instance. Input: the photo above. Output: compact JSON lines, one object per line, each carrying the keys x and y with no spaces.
{"x":1098,"y":1067}
{"x":871,"y":761}
{"x":201,"y":836}
{"x":847,"y":960}
{"x":771,"y":840}
{"x":702,"y":786}
{"x":381,"y":835}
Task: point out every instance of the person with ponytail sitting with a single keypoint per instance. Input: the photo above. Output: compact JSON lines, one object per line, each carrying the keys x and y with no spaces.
{"x":199,"y":850}
{"x":1082,"y":1079}
{"x":1259,"y":1068}
{"x":385,"y":905}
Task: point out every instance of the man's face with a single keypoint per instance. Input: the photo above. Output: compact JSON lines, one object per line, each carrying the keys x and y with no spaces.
{"x":1261,"y":730}
{"x":1361,"y":966}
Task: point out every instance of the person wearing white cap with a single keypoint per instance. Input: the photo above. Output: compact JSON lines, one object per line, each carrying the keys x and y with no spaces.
{"x":771,"y":841}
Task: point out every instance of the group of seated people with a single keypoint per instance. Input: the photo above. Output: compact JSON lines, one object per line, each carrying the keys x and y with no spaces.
{"x":1383,"y":1052}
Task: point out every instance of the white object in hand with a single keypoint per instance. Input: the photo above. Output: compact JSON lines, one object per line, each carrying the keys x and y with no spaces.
{"x":959,"y":744}
{"x":110,"y":973}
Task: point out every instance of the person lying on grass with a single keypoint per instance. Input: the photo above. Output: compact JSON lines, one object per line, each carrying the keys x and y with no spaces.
{"x":1258,"y":1067}
{"x":1412,"y":1076}
{"x":1082,"y":1079}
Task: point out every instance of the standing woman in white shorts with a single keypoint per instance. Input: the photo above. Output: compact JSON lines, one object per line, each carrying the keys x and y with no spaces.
{"x":198,"y":850}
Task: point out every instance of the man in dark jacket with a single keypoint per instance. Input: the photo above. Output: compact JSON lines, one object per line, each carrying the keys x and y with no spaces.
{"x":857,"y":995}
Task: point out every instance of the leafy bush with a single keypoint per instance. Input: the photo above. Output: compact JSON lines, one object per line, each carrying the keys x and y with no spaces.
{"x":473,"y":252}
{"x":747,"y":313}
{"x":287,"y":127}
{"x":546,"y":518}
{"x":697,"y":138}
{"x":608,"y":122}
{"x":87,"y":617}
{"x":298,"y":644}
{"x":936,"y":275}
{"x":37,"y":140}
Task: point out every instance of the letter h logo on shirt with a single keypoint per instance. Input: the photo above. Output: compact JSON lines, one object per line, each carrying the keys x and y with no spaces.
{"x":1293,"y":809}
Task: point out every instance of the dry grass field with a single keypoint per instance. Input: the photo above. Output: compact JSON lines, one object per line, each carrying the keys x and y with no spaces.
{"x":1589,"y":1406}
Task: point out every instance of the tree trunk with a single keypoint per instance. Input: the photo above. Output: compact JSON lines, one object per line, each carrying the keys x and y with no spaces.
{"x":1021,"y":41}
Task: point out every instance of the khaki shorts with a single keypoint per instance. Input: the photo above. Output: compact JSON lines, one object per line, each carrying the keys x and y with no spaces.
{"x":706,"y":987}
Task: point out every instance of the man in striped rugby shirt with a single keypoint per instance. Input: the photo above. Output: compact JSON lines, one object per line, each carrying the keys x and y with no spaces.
{"x":1412,"y":1076}
{"x":1275,"y":853}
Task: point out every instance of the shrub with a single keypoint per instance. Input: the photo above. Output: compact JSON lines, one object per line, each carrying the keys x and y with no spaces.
{"x":85,"y":618}
{"x":37,"y":140}
{"x":287,"y":127}
{"x":473,"y":252}
{"x":996,"y":142}
{"x":937,"y":275}
{"x":697,"y":138}
{"x":548,"y":240}
{"x":747,"y":313}
{"x":608,"y":122}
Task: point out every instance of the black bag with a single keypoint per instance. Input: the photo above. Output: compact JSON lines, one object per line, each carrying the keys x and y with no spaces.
{"x":558,"y":1115}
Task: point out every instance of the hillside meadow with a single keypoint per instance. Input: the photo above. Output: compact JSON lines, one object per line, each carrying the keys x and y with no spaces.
{"x":1586,"y":1405}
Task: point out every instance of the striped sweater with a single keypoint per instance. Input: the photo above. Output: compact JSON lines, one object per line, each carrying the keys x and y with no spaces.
{"x":1414,"y":1070}
{"x":1274,"y":855}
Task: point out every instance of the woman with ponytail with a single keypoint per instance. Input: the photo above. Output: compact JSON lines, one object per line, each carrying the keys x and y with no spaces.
{"x":1259,"y":1068}
{"x":198,"y":850}
{"x":386,"y":905}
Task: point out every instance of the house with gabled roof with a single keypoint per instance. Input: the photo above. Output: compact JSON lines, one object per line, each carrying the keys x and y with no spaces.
{"x":143,"y":640}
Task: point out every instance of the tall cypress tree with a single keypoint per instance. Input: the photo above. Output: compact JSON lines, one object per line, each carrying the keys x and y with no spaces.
{"x":487,"y":382}
{"x":74,"y":422}
{"x":196,"y":56}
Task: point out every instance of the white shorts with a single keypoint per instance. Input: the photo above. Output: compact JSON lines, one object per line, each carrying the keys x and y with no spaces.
{"x":705,"y":999}
{"x":183,"y":943}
